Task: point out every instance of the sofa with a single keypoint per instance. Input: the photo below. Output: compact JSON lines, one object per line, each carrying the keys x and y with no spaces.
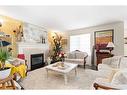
{"x":77,"y":57}
{"x":113,"y":74}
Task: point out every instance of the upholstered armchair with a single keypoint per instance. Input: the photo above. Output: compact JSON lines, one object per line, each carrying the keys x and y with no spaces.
{"x":77,"y":57}
{"x":116,"y":81}
{"x":112,"y":74}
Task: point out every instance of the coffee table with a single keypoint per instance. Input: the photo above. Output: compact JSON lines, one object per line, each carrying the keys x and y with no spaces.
{"x":65,"y":72}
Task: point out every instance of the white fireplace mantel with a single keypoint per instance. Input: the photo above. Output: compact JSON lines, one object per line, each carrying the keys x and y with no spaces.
{"x":26,"y":45}
{"x":32,"y":48}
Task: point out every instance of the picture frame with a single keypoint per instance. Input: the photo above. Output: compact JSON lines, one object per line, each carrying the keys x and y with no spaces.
{"x":103,"y":37}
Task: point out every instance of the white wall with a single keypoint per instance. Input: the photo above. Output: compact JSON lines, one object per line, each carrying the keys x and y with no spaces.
{"x":118,"y":35}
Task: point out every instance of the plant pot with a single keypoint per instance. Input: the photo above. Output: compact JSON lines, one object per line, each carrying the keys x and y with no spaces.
{"x":4,"y":73}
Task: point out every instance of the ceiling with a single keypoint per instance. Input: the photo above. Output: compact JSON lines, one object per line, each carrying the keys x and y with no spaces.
{"x":62,"y":18}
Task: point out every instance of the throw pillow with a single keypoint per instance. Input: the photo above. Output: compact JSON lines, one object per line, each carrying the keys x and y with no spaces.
{"x":15,"y":62}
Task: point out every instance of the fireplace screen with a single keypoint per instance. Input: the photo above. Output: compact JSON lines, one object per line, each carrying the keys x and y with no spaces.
{"x":37,"y":61}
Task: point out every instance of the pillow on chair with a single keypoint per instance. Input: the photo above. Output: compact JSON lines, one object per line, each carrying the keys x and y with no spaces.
{"x":15,"y":62}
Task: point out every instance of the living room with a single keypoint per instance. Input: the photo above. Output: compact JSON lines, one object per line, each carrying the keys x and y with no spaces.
{"x":63,"y":47}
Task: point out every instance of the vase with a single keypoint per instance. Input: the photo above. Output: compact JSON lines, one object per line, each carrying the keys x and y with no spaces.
{"x":49,"y":60}
{"x":62,"y":59}
{"x":62,"y":63}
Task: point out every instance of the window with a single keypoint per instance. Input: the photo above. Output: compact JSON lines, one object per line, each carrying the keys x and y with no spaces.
{"x":80,"y":42}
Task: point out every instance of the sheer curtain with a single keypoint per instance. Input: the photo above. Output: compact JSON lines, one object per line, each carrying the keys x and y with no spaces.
{"x":80,"y":42}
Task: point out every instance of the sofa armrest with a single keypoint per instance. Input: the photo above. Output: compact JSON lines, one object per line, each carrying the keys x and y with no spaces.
{"x":85,"y":57}
{"x":109,"y":86}
{"x":85,"y":60}
{"x":104,"y":67}
{"x":106,"y":87}
{"x":106,"y":61}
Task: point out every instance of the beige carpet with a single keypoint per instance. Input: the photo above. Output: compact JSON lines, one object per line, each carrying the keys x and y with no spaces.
{"x":37,"y":80}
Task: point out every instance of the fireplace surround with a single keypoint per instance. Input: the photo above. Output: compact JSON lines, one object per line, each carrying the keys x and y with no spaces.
{"x":37,"y":61}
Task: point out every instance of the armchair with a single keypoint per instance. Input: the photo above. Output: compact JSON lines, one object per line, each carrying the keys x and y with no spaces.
{"x":116,"y":82}
{"x":77,"y":57}
{"x":113,"y":74}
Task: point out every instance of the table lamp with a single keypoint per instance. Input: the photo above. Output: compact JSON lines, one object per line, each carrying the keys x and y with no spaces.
{"x":110,"y":46}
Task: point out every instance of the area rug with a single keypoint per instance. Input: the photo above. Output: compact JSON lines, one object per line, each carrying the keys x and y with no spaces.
{"x":38,"y":80}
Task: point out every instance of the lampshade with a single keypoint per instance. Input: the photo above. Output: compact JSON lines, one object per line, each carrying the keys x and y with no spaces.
{"x":111,"y":45}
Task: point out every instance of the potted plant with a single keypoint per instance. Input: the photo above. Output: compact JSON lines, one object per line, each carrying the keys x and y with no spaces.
{"x":57,"y":47}
{"x":4,"y":71}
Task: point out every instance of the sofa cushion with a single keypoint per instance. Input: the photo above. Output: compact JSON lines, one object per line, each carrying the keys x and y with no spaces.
{"x":77,"y":61}
{"x":71,"y":55}
{"x":80,"y":55}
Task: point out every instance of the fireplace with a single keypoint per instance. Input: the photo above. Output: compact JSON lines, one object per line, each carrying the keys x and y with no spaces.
{"x":37,"y":61}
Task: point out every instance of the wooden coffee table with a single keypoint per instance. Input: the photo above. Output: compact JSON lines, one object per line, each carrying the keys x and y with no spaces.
{"x":64,"y":71}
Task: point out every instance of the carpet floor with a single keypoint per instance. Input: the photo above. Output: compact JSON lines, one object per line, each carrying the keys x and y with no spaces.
{"x":37,"y":79}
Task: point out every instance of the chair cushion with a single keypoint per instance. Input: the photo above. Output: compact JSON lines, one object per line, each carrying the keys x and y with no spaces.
{"x":106,"y":72}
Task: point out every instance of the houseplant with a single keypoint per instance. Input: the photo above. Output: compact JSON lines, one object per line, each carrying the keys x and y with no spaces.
{"x":57,"y":47}
{"x":4,"y":71}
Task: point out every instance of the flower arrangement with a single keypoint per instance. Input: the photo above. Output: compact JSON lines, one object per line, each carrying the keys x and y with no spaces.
{"x":57,"y":47}
{"x":62,"y":56}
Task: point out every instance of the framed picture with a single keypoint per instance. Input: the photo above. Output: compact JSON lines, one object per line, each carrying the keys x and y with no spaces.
{"x":102,"y":38}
